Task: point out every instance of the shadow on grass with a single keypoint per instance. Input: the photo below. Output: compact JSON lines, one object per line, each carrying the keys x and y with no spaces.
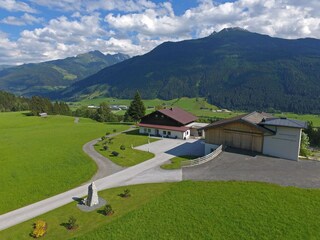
{"x":65,"y":225}
{"x":102,"y":212}
{"x":28,"y":114}
{"x":133,"y":132}
{"x":78,"y":200}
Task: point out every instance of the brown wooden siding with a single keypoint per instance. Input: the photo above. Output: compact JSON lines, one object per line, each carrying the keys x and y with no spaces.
{"x":237,"y":135}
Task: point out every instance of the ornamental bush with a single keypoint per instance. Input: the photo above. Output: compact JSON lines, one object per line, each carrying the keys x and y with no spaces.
{"x":123,"y":147}
{"x":108,"y":210}
{"x":39,"y":229}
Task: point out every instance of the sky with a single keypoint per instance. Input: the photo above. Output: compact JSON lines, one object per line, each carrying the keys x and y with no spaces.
{"x":43,"y":30}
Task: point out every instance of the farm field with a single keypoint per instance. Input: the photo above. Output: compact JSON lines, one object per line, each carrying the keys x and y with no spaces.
{"x":198,"y":107}
{"x":127,"y":156}
{"x":191,"y":210}
{"x":41,"y":157}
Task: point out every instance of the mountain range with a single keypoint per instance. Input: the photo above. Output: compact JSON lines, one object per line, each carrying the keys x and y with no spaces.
{"x":47,"y":77}
{"x":233,"y":68}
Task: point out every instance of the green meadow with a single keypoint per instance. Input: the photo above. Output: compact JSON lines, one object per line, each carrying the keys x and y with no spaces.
{"x":41,"y":157}
{"x":197,"y":106}
{"x":190,"y":210}
{"x":123,"y":144}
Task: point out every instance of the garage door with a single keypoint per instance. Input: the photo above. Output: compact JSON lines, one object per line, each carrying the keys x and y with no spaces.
{"x":241,"y":140}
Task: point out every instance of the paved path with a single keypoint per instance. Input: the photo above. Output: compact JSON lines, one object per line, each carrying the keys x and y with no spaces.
{"x":141,"y":173}
{"x":105,"y":166}
{"x":242,"y":167}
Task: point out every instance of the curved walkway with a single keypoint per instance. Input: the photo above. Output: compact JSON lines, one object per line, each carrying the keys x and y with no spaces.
{"x":140,"y":173}
{"x":105,"y":166}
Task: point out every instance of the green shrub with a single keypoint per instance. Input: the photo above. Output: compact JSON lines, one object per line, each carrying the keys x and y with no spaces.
{"x":72,"y":223}
{"x":108,"y":210}
{"x":123,"y":147}
{"x":125,"y":194}
{"x":114,"y":153}
{"x":114,"y":130}
{"x":105,"y":147}
{"x":107,"y":133}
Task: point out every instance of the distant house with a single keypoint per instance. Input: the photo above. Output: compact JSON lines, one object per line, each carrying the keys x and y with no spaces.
{"x":170,"y":122}
{"x":258,"y":132}
{"x":43,"y":114}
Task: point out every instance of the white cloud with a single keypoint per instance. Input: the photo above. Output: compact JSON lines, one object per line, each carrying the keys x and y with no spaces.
{"x":140,"y":25}
{"x":25,"y":19}
{"x":90,"y":6}
{"x":16,"y":6}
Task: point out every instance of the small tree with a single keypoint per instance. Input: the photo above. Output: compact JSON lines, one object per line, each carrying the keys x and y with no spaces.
{"x":136,"y":109}
{"x":304,"y":145}
{"x":108,"y":210}
{"x":125,"y":194}
{"x":72,"y":223}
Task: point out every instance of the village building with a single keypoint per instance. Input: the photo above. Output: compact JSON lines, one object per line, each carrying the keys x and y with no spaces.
{"x":171,"y":123}
{"x":257,"y":132}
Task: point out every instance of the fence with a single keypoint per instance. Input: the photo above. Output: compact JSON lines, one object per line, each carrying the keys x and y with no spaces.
{"x":204,"y":159}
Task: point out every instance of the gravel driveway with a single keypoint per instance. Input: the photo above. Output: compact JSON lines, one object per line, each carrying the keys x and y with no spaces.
{"x":234,"y":166}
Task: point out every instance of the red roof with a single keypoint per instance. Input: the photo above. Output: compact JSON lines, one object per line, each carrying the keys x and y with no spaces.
{"x":164,"y":127}
{"x":179,"y":115}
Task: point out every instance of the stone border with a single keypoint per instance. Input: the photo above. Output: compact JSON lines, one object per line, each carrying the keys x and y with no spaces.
{"x":86,"y":208}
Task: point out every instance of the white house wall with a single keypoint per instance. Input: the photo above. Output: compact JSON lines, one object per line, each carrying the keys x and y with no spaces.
{"x":174,"y":134}
{"x":285,"y":144}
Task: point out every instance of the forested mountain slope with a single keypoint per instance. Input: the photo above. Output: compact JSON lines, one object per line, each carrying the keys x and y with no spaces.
{"x":233,"y":68}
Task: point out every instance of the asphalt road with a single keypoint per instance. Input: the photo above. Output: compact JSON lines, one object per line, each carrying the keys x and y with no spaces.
{"x":244,"y":167}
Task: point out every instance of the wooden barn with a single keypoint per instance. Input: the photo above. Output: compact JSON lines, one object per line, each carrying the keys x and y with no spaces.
{"x":257,"y":132}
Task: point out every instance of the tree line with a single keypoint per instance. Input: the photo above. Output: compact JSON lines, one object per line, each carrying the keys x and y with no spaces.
{"x":313,"y":134}
{"x":11,"y":103}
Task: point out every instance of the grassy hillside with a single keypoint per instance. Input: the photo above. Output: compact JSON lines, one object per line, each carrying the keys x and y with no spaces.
{"x":41,"y":157}
{"x":191,"y":210}
{"x":198,"y":106}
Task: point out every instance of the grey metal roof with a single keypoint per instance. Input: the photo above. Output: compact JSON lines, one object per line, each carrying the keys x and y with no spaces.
{"x":284,"y":122}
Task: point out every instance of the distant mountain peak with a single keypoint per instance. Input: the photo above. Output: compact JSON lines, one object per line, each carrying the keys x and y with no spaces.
{"x":229,"y":30}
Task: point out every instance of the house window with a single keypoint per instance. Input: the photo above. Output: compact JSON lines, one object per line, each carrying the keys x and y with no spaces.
{"x":169,"y":133}
{"x":156,"y":115}
{"x":164,"y":132}
{"x":149,"y":130}
{"x":145,"y":130}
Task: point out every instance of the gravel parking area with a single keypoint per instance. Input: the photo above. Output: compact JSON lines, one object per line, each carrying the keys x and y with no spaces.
{"x":244,"y":167}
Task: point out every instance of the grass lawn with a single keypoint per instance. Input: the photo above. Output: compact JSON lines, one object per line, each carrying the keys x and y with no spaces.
{"x":176,"y":162}
{"x":191,"y":210}
{"x":41,"y":157}
{"x":127,"y":157}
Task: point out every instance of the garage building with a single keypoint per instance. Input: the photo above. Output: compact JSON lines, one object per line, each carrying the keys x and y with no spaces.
{"x":258,"y":132}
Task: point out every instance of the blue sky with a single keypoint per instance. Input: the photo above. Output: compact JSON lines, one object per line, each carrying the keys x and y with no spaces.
{"x":42,"y":30}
